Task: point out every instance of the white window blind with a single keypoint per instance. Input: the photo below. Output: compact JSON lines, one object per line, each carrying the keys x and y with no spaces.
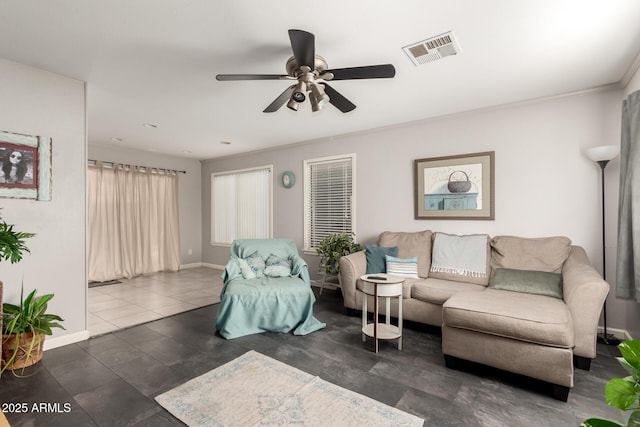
{"x":329,"y":198}
{"x":241,"y":205}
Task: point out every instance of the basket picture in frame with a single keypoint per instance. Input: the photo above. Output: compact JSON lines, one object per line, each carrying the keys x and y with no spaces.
{"x":25,"y":166}
{"x":455,"y":187}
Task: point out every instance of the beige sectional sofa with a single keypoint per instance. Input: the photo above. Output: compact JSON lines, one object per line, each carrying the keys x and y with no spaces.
{"x":533,"y":311}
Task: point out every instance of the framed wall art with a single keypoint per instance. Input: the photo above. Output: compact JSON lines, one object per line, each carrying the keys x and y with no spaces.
{"x":455,"y":187}
{"x":25,"y":166}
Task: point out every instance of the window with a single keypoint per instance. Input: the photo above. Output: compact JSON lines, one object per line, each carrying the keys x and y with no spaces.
{"x":241,"y":205}
{"x":329,"y":195}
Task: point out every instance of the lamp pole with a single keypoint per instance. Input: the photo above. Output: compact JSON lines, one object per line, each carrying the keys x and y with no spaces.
{"x":602,"y":155}
{"x":604,"y":337}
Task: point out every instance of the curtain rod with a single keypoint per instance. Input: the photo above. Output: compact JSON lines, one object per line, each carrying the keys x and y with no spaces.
{"x":146,"y":167}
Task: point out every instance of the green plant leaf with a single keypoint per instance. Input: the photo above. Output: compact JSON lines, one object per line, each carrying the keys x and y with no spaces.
{"x":334,"y":246}
{"x":30,"y":315}
{"x":12,"y":244}
{"x":597,"y":422}
{"x":630,"y":350}
{"x":628,"y":367}
{"x":620,"y":392}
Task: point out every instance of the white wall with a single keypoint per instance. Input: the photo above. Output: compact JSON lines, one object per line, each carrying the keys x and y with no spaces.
{"x":189,"y":191}
{"x":37,"y":102}
{"x":544,"y":184}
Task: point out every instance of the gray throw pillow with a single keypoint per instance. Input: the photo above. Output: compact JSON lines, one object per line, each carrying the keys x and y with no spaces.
{"x":528,"y":281}
{"x":376,"y":261}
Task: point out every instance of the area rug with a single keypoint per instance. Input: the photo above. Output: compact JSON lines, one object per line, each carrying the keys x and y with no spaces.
{"x":255,"y":390}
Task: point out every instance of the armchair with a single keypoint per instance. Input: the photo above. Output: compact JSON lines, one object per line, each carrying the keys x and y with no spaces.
{"x":252,"y":302}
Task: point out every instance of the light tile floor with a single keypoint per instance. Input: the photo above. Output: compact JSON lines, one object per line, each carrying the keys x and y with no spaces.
{"x":146,"y":298}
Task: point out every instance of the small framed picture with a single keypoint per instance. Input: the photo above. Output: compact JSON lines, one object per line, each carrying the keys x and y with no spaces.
{"x":19,"y":166}
{"x":455,"y":187}
{"x":25,"y":166}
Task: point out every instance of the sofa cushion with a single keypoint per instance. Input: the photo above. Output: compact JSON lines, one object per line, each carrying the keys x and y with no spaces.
{"x":403,"y":267}
{"x":461,"y":258}
{"x":528,"y":281}
{"x":525,"y":317}
{"x":416,"y":244}
{"x":437,"y":291}
{"x":540,"y":254}
{"x":376,"y":261}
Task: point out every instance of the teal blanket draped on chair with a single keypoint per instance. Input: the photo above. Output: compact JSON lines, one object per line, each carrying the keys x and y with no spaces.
{"x":266,"y":304}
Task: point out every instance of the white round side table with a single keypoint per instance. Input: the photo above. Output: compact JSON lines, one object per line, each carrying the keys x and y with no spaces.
{"x":385,"y":286}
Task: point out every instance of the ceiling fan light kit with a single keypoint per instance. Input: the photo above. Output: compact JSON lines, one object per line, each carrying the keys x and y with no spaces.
{"x":312,"y":74}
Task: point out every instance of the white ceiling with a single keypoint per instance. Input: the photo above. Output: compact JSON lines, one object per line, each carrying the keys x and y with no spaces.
{"x":155,"y":61}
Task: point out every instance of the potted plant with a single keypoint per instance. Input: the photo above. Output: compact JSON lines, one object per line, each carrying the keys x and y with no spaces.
{"x":334,"y":246}
{"x":24,"y":326}
{"x":623,"y":393}
{"x":23,"y":330}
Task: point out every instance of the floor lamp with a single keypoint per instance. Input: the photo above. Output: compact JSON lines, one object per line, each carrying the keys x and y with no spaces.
{"x":602,"y":155}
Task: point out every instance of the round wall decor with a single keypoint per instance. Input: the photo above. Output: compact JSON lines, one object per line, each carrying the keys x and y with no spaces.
{"x":288,"y":179}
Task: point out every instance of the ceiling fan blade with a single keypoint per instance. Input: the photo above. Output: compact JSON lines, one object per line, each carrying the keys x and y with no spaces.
{"x":337,"y":100}
{"x":384,"y":71}
{"x":303,"y":46}
{"x":279,"y":101}
{"x":230,"y":77}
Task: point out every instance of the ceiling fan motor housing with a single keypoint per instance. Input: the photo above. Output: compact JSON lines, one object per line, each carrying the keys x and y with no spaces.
{"x":294,"y":70}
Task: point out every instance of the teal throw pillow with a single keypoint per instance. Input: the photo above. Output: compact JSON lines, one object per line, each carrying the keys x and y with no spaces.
{"x":528,"y":281}
{"x":277,"y":267}
{"x":403,"y":267}
{"x":376,"y":261}
{"x":256,"y":263}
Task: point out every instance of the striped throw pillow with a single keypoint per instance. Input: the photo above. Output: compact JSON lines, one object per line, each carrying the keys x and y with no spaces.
{"x":403,"y":267}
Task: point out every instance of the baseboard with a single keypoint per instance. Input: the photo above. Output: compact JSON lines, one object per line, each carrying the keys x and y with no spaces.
{"x":219,"y":267}
{"x":622,"y":334}
{"x":201,"y":264}
{"x":192,"y":265}
{"x":55,"y":342}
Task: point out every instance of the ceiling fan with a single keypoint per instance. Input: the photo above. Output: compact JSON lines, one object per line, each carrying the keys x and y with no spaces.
{"x":312,"y":74}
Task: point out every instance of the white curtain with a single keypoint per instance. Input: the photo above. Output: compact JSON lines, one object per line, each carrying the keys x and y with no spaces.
{"x":133,"y":222}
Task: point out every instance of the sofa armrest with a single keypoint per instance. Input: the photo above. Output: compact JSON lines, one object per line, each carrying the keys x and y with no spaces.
{"x":351,"y":268}
{"x":584,"y":292}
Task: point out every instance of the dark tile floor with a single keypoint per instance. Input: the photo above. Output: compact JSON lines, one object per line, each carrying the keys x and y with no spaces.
{"x":111,"y":380}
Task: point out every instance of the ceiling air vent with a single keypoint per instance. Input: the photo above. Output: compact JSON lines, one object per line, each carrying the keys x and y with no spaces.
{"x":432,"y":49}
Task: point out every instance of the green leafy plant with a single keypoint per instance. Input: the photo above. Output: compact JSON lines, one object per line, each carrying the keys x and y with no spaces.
{"x":12,"y":244}
{"x":623,"y":393}
{"x":333,"y":247}
{"x":30,"y":316}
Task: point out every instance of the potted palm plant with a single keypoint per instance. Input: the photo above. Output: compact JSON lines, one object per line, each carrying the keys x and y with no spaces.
{"x":24,"y":326}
